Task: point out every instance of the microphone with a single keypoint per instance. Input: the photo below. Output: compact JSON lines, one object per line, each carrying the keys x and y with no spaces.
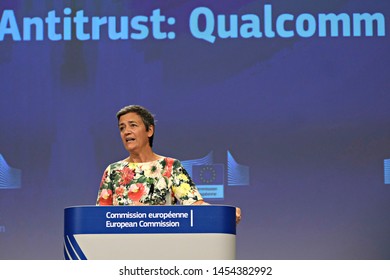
{"x":151,"y":190}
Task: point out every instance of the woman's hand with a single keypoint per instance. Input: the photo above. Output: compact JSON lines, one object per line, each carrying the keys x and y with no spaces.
{"x":238,"y":215}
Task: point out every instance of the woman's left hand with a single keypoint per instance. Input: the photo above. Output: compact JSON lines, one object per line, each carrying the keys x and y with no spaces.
{"x":238,"y":215}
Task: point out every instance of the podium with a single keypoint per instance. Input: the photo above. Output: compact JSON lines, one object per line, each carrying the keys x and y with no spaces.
{"x":199,"y":232}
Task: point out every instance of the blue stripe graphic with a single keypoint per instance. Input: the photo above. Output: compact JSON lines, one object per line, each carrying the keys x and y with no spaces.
{"x":387,"y":171}
{"x":72,"y":250}
{"x":238,"y":175}
{"x":10,"y":178}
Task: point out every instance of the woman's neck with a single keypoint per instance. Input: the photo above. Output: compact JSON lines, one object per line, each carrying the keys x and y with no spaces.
{"x":143,"y":157}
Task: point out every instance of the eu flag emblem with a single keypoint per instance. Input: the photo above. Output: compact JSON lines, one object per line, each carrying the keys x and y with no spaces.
{"x":209,"y":180}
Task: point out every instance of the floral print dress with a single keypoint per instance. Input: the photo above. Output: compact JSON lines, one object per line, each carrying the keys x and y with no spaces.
{"x":160,"y":182}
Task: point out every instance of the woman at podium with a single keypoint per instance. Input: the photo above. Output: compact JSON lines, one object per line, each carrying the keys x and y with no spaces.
{"x":144,"y":177}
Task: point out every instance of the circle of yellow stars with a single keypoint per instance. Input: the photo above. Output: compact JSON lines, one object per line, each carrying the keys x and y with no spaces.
{"x":207,"y":174}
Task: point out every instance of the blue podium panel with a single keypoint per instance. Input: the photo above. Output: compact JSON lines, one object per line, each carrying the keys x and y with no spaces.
{"x":150,"y":232}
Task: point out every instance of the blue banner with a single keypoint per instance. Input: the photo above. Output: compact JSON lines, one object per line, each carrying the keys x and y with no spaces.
{"x":149,"y":220}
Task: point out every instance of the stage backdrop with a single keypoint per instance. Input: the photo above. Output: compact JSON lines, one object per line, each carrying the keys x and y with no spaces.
{"x":278,"y":107}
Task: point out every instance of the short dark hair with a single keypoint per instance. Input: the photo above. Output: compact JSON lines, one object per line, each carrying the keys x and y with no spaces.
{"x":146,"y":116}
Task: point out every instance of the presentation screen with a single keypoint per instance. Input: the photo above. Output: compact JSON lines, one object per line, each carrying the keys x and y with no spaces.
{"x":280,"y":108}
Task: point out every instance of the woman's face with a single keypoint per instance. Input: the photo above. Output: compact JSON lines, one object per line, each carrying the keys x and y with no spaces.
{"x":133,"y":132}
